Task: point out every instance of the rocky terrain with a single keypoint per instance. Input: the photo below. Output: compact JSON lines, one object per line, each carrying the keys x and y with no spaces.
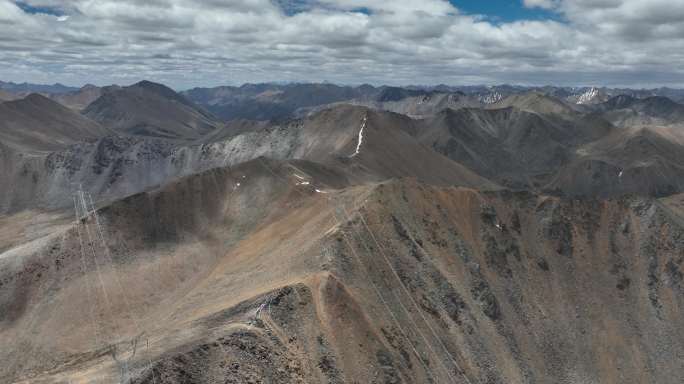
{"x":36,"y":123}
{"x":278,"y":101}
{"x":627,"y":111}
{"x":332,"y":234}
{"x":81,"y":98}
{"x":150,"y":110}
{"x":272,"y":101}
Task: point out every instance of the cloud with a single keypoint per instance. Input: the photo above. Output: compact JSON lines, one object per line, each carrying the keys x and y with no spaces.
{"x":545,"y":4}
{"x":186,"y":43}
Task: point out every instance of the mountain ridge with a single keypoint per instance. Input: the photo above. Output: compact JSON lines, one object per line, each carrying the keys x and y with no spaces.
{"x":484,"y":235}
{"x":150,"y":109}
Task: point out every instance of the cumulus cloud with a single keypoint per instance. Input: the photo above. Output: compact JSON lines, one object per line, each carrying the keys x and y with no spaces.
{"x":188,"y":42}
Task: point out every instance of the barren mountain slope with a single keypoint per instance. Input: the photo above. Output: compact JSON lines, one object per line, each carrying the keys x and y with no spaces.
{"x":265,"y":272}
{"x":627,"y":111}
{"x":514,"y":147}
{"x":272,"y":101}
{"x":151,"y":110}
{"x":37,"y":123}
{"x":576,"y":154}
{"x":6,"y":96}
{"x":423,"y":104}
{"x":117,"y":166}
{"x":646,"y":161}
{"x":353,"y":245}
{"x":535,"y":102}
{"x":80,"y":99}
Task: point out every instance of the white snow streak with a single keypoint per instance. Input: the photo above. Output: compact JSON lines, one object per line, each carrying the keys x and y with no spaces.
{"x":588,"y":96}
{"x":360,"y":139}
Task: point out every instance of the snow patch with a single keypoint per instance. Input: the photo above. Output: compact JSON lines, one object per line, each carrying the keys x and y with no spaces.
{"x":491,"y":98}
{"x":360,"y":138}
{"x":589,"y":96}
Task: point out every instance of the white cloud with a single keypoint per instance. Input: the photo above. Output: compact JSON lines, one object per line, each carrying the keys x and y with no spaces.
{"x":187,"y":42}
{"x":546,"y":4}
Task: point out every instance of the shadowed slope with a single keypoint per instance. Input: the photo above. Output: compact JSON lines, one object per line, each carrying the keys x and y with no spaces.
{"x":153,"y":110}
{"x":627,"y":111}
{"x":514,"y":147}
{"x":37,"y":123}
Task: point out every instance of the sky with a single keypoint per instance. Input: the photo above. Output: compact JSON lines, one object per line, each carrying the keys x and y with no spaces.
{"x":188,"y":43}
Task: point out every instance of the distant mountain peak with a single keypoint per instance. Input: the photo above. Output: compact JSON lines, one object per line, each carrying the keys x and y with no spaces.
{"x":38,"y":101}
{"x":39,"y":123}
{"x":535,"y":101}
{"x":588,"y":96}
{"x":151,"y":109}
{"x":43,"y":88}
{"x":491,"y":98}
{"x":37,"y":97}
{"x":149,"y":84}
{"x":154,"y":87}
{"x":622,"y":100}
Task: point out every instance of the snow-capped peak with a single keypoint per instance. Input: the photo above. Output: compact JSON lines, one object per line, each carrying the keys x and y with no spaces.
{"x":589,"y":96}
{"x":490,"y":98}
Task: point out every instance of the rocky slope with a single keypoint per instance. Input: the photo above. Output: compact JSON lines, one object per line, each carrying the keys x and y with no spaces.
{"x":515,"y":147}
{"x":272,"y":101}
{"x":351,"y":245}
{"x":80,"y":99}
{"x":117,"y":166}
{"x":627,"y":111}
{"x":535,"y":102}
{"x":645,"y":161}
{"x":424,"y":104}
{"x":37,"y":123}
{"x":151,"y":110}
{"x":249,"y":274}
{"x":6,"y":96}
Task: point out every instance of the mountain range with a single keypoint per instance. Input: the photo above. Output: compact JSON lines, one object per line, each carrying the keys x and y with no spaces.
{"x":306,"y":233}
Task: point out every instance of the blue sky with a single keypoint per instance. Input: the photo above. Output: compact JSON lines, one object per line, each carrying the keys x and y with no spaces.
{"x":503,"y":10}
{"x":493,"y":10}
{"x":39,"y":9}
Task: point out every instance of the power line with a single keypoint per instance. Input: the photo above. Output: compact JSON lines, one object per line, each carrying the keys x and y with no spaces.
{"x":394,"y":272}
{"x":117,"y":278}
{"x":376,"y":289}
{"x":422,"y":335}
{"x":387,"y":307}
